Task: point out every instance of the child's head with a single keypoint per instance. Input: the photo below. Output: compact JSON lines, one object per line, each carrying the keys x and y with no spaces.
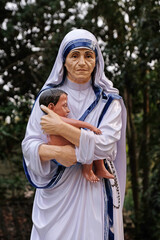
{"x":56,"y":100}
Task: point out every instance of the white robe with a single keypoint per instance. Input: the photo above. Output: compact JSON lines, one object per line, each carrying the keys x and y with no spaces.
{"x":74,"y":208}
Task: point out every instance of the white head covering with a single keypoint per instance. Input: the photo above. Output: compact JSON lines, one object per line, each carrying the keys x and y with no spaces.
{"x":83,"y":38}
{"x":56,"y":75}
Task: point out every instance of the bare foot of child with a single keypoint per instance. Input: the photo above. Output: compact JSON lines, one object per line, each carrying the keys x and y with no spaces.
{"x":101,"y":171}
{"x":89,"y":174}
{"x":104,"y":174}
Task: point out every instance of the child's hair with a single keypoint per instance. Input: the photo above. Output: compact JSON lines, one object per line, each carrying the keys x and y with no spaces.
{"x":50,"y":96}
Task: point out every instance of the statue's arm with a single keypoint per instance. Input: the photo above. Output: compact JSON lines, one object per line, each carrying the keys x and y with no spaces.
{"x":65,"y":155}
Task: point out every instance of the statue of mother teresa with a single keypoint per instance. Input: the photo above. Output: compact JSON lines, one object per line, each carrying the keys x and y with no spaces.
{"x":66,"y":205}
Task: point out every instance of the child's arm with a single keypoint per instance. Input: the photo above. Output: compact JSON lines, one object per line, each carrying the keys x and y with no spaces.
{"x":81,"y":124}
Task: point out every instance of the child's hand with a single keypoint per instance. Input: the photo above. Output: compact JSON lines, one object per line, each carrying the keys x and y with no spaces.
{"x":96,"y":131}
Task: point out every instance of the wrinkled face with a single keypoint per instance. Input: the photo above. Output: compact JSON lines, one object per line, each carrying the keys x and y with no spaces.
{"x":80,"y":64}
{"x":61,"y":108}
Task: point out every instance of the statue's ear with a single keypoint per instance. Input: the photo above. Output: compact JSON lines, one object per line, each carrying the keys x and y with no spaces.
{"x":51,"y":106}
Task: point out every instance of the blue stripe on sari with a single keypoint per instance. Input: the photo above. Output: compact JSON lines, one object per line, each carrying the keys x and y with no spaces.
{"x":82,"y":42}
{"x":108,"y":230}
{"x":51,"y":183}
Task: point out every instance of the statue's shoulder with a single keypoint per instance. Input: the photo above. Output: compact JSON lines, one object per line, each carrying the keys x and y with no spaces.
{"x":111,"y":96}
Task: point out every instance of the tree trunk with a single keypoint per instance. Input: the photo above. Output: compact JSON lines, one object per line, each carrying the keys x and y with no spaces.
{"x":131,"y":138}
{"x":145,"y":143}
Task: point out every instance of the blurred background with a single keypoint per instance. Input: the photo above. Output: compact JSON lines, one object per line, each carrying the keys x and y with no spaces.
{"x":128,"y":32}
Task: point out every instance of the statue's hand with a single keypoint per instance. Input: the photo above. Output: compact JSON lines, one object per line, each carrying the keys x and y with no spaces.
{"x":51,"y":122}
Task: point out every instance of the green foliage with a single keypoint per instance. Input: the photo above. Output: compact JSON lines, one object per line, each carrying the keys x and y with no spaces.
{"x":154,"y":201}
{"x":151,"y":215}
{"x":128,"y":203}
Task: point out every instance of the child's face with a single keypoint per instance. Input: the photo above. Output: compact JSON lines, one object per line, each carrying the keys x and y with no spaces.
{"x":61,"y":108}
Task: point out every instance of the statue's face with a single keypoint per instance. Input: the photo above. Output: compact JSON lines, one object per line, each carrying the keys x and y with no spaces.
{"x":80,"y":64}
